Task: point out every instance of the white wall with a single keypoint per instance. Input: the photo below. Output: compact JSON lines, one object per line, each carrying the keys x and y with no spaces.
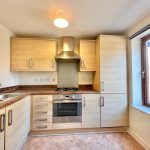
{"x":37,"y":78}
{"x":139,"y":126}
{"x":139,"y":122}
{"x":50,"y":78}
{"x":7,"y":78}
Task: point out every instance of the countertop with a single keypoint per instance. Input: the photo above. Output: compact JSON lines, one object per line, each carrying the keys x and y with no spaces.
{"x":40,"y":90}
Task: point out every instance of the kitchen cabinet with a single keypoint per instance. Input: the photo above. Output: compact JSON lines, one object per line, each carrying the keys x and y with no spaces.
{"x":113,"y":64}
{"x":41,"y":112}
{"x":2,"y":128}
{"x":90,"y":110}
{"x":33,"y":54}
{"x":87,"y":54}
{"x":17,"y":124}
{"x":21,"y":54}
{"x":110,"y":79}
{"x":114,"y":110}
{"x":44,"y":53}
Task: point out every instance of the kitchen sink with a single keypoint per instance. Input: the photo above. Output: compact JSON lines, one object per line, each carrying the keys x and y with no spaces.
{"x":8,"y":96}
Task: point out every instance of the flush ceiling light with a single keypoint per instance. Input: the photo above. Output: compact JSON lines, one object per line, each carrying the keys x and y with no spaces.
{"x":60,"y":21}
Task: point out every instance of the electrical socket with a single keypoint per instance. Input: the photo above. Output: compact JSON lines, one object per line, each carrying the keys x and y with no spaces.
{"x":41,"y":80}
{"x":36,"y":80}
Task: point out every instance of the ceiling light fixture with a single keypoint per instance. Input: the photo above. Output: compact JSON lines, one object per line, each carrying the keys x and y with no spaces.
{"x":60,"y":21}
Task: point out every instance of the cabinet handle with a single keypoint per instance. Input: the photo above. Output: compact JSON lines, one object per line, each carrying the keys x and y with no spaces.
{"x":83,"y":101}
{"x":53,"y":61}
{"x":2,"y":122}
{"x":82,"y":63}
{"x":41,"y":127}
{"x":44,"y":119}
{"x":102,"y":101}
{"x":102,"y":85}
{"x":44,"y":105}
{"x":30,"y":63}
{"x":9,"y":117}
{"x":42,"y":112}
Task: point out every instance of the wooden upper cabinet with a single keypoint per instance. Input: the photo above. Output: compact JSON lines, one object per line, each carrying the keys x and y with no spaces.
{"x":111,"y":73}
{"x":21,"y":54}
{"x":113,"y":64}
{"x":44,"y":53}
{"x":33,"y":54}
{"x":88,"y":55}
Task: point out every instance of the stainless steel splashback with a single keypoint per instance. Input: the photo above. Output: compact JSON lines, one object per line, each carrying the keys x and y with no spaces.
{"x":68,"y":74}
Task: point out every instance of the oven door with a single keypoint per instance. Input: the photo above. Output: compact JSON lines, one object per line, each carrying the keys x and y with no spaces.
{"x":66,"y":111}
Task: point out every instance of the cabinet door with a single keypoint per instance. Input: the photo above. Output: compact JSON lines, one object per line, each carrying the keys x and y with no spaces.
{"x":87,"y":54}
{"x":17,"y":124}
{"x":90,"y":110}
{"x":2,"y":127}
{"x":114,"y":110}
{"x":113,"y":64}
{"x":21,"y":54}
{"x":44,"y":53}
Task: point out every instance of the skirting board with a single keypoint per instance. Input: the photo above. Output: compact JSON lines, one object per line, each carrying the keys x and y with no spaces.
{"x":139,"y":139}
{"x":78,"y":131}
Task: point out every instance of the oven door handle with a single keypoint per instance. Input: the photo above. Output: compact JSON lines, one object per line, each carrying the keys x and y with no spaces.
{"x":67,"y":101}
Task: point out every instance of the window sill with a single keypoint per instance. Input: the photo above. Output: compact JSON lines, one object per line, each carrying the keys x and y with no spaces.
{"x":143,"y":109}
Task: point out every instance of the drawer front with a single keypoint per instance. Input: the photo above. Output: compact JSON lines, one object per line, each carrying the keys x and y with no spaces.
{"x":40,"y":105}
{"x":41,"y":119}
{"x":42,"y":112}
{"x":42,"y":126}
{"x":42,"y":98}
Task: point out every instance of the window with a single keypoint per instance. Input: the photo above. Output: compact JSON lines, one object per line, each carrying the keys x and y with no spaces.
{"x":146,"y":70}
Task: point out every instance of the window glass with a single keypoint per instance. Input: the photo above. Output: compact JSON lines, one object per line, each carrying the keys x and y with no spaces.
{"x":148,"y":69}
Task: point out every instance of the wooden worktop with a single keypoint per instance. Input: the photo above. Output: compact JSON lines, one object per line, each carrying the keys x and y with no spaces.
{"x":40,"y":90}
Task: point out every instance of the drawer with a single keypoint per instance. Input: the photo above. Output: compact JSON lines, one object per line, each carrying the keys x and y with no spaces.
{"x":42,"y":98}
{"x":42,"y":112}
{"x":41,"y":105}
{"x":41,"y":119}
{"x":42,"y":126}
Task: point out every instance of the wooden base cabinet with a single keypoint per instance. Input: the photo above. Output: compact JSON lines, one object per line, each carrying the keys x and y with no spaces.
{"x":2,"y":127}
{"x":114,"y":110}
{"x":41,"y":112}
{"x":17,"y":124}
{"x":90,"y":110}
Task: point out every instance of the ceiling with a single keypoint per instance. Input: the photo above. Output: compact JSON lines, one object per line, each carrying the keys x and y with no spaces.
{"x":88,"y":18}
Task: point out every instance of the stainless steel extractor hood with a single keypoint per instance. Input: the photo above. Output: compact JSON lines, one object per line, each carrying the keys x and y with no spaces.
{"x":67,"y":53}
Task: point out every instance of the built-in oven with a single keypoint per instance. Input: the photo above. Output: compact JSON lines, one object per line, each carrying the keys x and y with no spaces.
{"x":67,"y":108}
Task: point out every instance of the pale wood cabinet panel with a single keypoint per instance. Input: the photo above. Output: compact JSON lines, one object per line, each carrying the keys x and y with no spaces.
{"x":33,"y":54}
{"x":74,"y":125}
{"x":113,"y":64}
{"x":2,"y":117}
{"x":21,"y":54}
{"x":44,"y":53}
{"x":87,"y":54}
{"x":17,"y":124}
{"x":115,"y":110}
{"x":90,"y":110}
{"x":41,"y":112}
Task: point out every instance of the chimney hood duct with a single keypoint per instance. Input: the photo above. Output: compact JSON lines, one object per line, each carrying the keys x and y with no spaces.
{"x":67,"y":53}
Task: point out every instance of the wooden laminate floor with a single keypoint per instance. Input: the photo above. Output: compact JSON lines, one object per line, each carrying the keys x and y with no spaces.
{"x":85,"y":141}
